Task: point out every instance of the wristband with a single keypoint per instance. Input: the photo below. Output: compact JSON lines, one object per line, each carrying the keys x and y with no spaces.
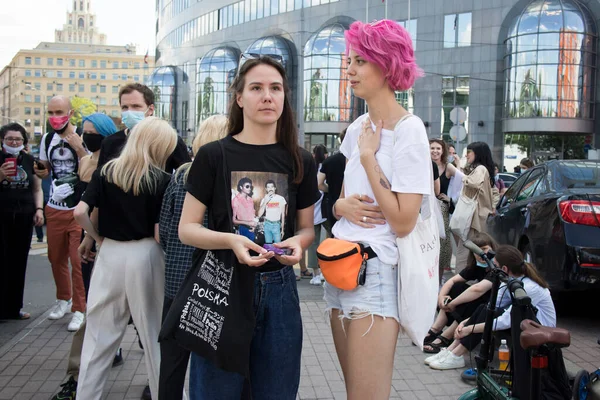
{"x":39,"y":208}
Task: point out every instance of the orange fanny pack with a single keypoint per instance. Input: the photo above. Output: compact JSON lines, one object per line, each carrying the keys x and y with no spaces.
{"x":344,"y":264}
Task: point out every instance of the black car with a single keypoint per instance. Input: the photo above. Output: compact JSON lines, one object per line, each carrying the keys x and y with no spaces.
{"x":552,"y":214}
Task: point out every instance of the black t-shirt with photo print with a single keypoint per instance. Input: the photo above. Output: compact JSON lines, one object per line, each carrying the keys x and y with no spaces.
{"x":258,"y":187}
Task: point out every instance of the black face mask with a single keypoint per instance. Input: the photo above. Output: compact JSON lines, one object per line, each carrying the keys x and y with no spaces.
{"x":93,"y":141}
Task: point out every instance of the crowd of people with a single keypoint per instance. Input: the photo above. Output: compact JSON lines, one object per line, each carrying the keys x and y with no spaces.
{"x":128,"y":210}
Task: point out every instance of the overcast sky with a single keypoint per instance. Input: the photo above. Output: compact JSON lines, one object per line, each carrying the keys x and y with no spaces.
{"x":26,"y":23}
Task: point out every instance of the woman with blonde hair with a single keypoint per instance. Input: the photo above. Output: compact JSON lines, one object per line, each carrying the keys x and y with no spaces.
{"x":129,"y":275}
{"x":178,"y":260}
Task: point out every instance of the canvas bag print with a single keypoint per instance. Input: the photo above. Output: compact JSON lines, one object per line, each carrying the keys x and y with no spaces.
{"x":212,"y":313}
{"x":418,"y":272}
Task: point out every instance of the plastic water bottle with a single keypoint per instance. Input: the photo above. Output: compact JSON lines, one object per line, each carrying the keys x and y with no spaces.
{"x":503,"y":355}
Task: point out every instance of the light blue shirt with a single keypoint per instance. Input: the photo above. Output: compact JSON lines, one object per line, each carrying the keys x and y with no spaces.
{"x":540,"y":298}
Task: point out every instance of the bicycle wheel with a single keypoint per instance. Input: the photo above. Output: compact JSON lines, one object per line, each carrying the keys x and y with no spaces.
{"x":580,"y":385}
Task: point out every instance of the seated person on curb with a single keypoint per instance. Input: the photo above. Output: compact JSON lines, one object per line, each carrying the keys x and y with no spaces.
{"x":468,"y":333}
{"x":457,"y":299}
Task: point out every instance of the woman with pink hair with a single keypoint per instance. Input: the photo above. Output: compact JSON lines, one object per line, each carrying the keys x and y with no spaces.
{"x":387,"y":152}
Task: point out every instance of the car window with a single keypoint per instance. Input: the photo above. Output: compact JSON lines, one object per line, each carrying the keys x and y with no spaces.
{"x":542,"y":187}
{"x":528,"y":188}
{"x":577,"y":175}
{"x":513,"y":190}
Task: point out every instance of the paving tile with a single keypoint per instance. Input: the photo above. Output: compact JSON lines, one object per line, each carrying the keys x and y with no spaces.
{"x":35,"y":367}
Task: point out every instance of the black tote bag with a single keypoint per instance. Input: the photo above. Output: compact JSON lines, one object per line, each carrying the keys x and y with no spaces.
{"x":212,"y":313}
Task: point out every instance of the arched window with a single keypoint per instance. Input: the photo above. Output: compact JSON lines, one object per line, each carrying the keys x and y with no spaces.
{"x":80,"y":23}
{"x":215,"y":73}
{"x":327,"y":93}
{"x":549,"y":62}
{"x":163,"y":84}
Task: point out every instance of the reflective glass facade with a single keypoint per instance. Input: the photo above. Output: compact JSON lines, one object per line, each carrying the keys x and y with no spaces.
{"x":215,"y":72}
{"x":224,"y":17}
{"x":162,"y":83}
{"x":550,"y":61}
{"x":327,"y":93}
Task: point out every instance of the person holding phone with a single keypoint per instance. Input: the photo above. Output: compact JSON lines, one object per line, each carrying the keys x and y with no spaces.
{"x":262,"y":144}
{"x":21,"y":201}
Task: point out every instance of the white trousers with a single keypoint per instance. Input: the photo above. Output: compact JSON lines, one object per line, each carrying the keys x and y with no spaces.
{"x":128,"y":279}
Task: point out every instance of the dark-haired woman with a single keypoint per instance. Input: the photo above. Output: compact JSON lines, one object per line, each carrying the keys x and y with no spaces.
{"x":262,"y":143}
{"x":21,"y":201}
{"x":468,"y":334}
{"x":479,"y":184}
{"x":447,"y":172}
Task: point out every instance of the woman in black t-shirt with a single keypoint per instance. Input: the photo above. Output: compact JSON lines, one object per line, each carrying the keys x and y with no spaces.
{"x":21,"y":201}
{"x":457,"y":299}
{"x":262,"y":146}
{"x":128,"y":278}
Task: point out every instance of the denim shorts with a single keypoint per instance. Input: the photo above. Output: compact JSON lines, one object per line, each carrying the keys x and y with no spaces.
{"x":378,"y":296}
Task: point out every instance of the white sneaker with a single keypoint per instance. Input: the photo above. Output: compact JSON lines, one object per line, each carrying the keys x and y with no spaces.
{"x":61,"y":307}
{"x":76,"y":321}
{"x":443,"y":353}
{"x":450,"y":361}
{"x":316,"y":280}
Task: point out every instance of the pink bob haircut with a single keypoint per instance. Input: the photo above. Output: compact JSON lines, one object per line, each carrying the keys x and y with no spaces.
{"x":389,"y":46}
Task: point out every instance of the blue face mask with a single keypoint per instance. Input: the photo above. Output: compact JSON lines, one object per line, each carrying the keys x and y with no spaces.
{"x":482,"y":264}
{"x":132,"y":118}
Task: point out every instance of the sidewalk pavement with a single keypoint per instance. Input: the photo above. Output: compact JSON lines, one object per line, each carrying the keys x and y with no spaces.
{"x":33,"y":365}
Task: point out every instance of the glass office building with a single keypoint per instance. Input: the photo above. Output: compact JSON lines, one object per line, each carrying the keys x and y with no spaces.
{"x":519,"y":72}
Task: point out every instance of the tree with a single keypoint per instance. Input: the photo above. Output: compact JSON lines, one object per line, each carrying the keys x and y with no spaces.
{"x":82,"y":107}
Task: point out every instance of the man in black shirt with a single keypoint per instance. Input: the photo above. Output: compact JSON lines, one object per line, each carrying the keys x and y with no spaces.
{"x":331,"y":178}
{"x":137,"y":102}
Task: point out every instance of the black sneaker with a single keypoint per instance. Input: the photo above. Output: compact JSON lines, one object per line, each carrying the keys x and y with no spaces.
{"x":146,"y":393}
{"x":68,"y":391}
{"x":118,"y":360}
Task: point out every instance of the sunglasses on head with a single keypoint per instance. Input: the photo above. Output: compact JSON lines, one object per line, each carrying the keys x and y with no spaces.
{"x":256,"y":56}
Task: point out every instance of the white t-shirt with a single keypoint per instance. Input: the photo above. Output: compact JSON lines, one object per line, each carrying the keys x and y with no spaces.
{"x":61,"y":165}
{"x":540,"y":298}
{"x":275,"y":208}
{"x":406,"y":164}
{"x":318,"y":216}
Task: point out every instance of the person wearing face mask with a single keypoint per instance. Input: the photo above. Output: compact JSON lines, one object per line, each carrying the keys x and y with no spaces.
{"x":137,"y":102}
{"x":525,"y":164}
{"x":21,"y":201}
{"x":60,"y":152}
{"x":469,"y":332}
{"x":96,"y":127}
{"x":457,"y":299}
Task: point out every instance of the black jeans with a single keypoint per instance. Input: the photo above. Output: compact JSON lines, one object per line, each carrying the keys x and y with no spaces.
{"x":471,"y":341}
{"x":15,"y":239}
{"x":173,"y":364}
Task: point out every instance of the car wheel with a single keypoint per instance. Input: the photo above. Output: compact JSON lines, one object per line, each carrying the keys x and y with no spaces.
{"x":527,"y":253}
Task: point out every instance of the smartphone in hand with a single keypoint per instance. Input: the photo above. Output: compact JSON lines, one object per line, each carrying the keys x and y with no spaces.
{"x":277,"y":250}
